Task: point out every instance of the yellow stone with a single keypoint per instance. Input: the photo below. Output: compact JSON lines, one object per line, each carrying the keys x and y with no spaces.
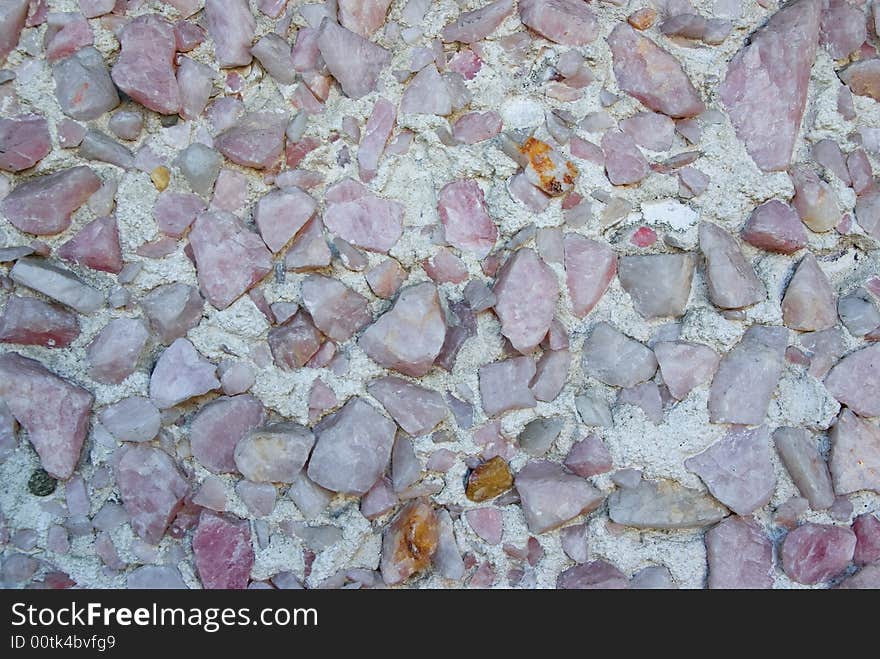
{"x":161,"y":177}
{"x":488,"y":480}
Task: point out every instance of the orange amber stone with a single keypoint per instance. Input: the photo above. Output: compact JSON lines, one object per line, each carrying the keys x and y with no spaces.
{"x":488,"y":480}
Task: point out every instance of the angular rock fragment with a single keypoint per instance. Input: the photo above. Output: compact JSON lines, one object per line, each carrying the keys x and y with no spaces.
{"x":466,"y":221}
{"x":95,"y":246}
{"x":475,"y":127}
{"x":550,"y":496}
{"x":256,"y":140}
{"x":274,"y":453}
{"x":776,"y":227}
{"x":180,"y":374}
{"x":858,"y":312}
{"x":231,"y":25}
{"x":711,"y":31}
{"x":652,"y":75}
{"x":29,"y":321}
{"x":223,"y":552}
{"x":526,"y":292}
{"x":101,"y":147}
{"x":427,"y":93}
{"x":13,"y":14}
{"x":589,"y":457}
{"x":842,"y":28}
{"x":173,"y":310}
{"x":663,"y":505}
{"x":43,"y":205}
{"x":862,"y":77}
{"x":615,"y":359}
{"x":363,"y":16}
{"x":409,"y":336}
{"x":83,"y":85}
{"x":538,"y":435}
{"x":294,"y":342}
{"x":747,"y":377}
{"x":133,"y":419}
{"x":765,"y":89}
{"x":624,"y":163}
{"x":409,"y":542}
{"x":740,"y":555}
{"x":416,"y":409}
{"x":659,"y":284}
{"x":354,"y":61}
{"x":645,"y":396}
{"x":563,"y":21}
{"x":353,"y":448}
{"x":152,"y":490}
{"x":376,"y":134}
{"x":551,"y":373}
{"x":114,"y":353}
{"x":53,"y":411}
{"x":309,"y":249}
{"x":813,"y":553}
{"x":806,"y":466}
{"x":546,"y":168}
{"x":809,"y":303}
{"x":155,"y":577}
{"x":855,"y":381}
{"x":595,"y":575}
{"x":868,"y":212}
{"x":219,"y":426}
{"x":814,"y":200}
{"x":732,"y":281}
{"x":488,"y":479}
{"x":336,"y":310}
{"x":229,"y":258}
{"x":685,"y":365}
{"x":176,"y":211}
{"x":737,"y":469}
{"x":57,"y":283}
{"x":867,"y":530}
{"x":24,"y":141}
{"x":273,"y":53}
{"x":145,"y":67}
{"x":855,"y":454}
{"x":505,"y":385}
{"x":473,"y":26}
{"x":200,"y":165}
{"x":361,"y":218}
{"x":589,"y":268}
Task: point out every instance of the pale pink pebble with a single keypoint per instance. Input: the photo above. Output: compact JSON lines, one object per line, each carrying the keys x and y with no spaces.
{"x":157,"y":249}
{"x":845,"y":103}
{"x":828,"y":154}
{"x":256,"y":140}
{"x":624,"y":163}
{"x":814,"y":200}
{"x":236,"y":377}
{"x":154,"y":577}
{"x":646,"y":396}
{"x":776,"y":227}
{"x":855,"y":452}
{"x":106,"y":551}
{"x":692,"y":182}
{"x":842,"y":28}
{"x":176,"y":211}
{"x":24,"y":141}
{"x":363,"y":16}
{"x":144,"y":68}
{"x":566,"y":22}
{"x":231,"y":25}
{"x":114,"y":353}
{"x":400,"y":145}
{"x":43,"y":205}
{"x":279,"y":215}
{"x":17,"y":568}
{"x":416,"y":409}
{"x":441,"y":460}
{"x":650,"y":130}
{"x":427,"y":93}
{"x":505,"y":385}
{"x":589,"y":266}
{"x":274,"y":54}
{"x":526,"y":290}
{"x":376,"y":133}
{"x":13,"y":14}
{"x":152,"y":489}
{"x":196,"y":83}
{"x":258,"y":497}
{"x":444,"y":266}
{"x":643,"y":237}
{"x":467,"y":63}
{"x":338,"y":311}
{"x":795,"y":355}
{"x":219,"y":426}
{"x":685,"y":365}
{"x":30,"y":321}
{"x":551,"y":496}
{"x":57,"y":539}
{"x":813,"y":553}
{"x":223,"y":552}
{"x":321,"y":398}
{"x":211,"y":494}
{"x":299,"y":178}
{"x":272,"y":8}
{"x":306,"y":56}
{"x":574,"y":542}
{"x":180,"y":374}
{"x":67,"y":33}
{"x":146,"y":160}
{"x":860,"y":172}
{"x":324,"y":357}
{"x":187,"y":36}
{"x":475,"y":127}
{"x":522,"y":190}
{"x":76,"y":496}
{"x":378,"y":500}
{"x":484,"y":577}
{"x":586,"y":150}
{"x":70,"y":133}
{"x":551,"y":374}
{"x":589,"y":457}
{"x":354,"y":61}
{"x":845,"y":225}
{"x":230,"y":191}
{"x":486,"y":523}
{"x":360,"y":217}
{"x":867,"y":530}
{"x":809,"y":303}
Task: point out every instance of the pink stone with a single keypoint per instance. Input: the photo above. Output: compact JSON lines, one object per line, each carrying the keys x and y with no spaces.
{"x":644,"y":237}
{"x":860,"y":171}
{"x":180,"y":374}
{"x":256,"y":140}
{"x":274,"y":54}
{"x":855,"y":454}
{"x":223,"y":552}
{"x":813,"y":553}
{"x":551,"y":374}
{"x":187,"y":36}
{"x":379,"y":500}
{"x":427,"y":93}
{"x":230,"y":192}
{"x":361,"y":218}
{"x":363,"y":16}
{"x":145,"y":67}
{"x":461,"y":324}
{"x":336,"y":310}
{"x":386,"y":278}
{"x":467,"y":63}
{"x":645,"y":396}
{"x":747,"y":377}
{"x":53,"y":411}
{"x":693,"y":26}
{"x":765,"y":89}
{"x":155,"y":577}
{"x":195,"y":82}
{"x":220,"y":426}
{"x":445,"y":267}
{"x":828,"y":154}
{"x":863,"y":77}
{"x":550,"y":496}
{"x":652,"y":75}
{"x":775,"y":227}
{"x":589,"y":457}
{"x":70,"y":133}
{"x":740,"y":555}
{"x":526,"y":290}
{"x":486,"y":523}
{"x":13,"y":14}
{"x":732,"y":281}
{"x":659,"y":284}
{"x":843,"y":28}
{"x":321,"y":398}
{"x":809,"y":303}
{"x":615,"y":359}
{"x":409,"y":336}
{"x":66,"y":34}
{"x":650,"y":130}
{"x":176,"y":211}
{"x":505,"y":385}
{"x":353,"y":448}
{"x":29,"y":321}
{"x":567,"y":22}
{"x":133,"y":419}
{"x":294,"y":342}
{"x":473,"y":26}
{"x":867,"y":578}
{"x":152,"y":490}
{"x":354,"y":61}
{"x":376,"y":134}
{"x":596,"y":575}
{"x":868,"y":212}
{"x":114,"y":353}
{"x":258,"y":497}
{"x":43,"y":205}
{"x":229,"y":258}
{"x":406,"y":468}
{"x":24,"y":141}
{"x":173,"y":310}
{"x":57,"y":283}
{"x":814,"y":200}
{"x":737,"y":469}
{"x":692,"y":182}
{"x":441,"y":461}
{"x":589,"y":268}
{"x":624,"y":163}
{"x":279,"y":215}
{"x":465,"y":217}
{"x":416,"y":409}
{"x":685,"y":365}
{"x":855,"y":381}
{"x":475,"y":127}
{"x":867,"y":530}
{"x":800,"y":455}
{"x":96,"y":246}
{"x":231,"y":25}
{"x":533,"y":197}
{"x":409,"y":542}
